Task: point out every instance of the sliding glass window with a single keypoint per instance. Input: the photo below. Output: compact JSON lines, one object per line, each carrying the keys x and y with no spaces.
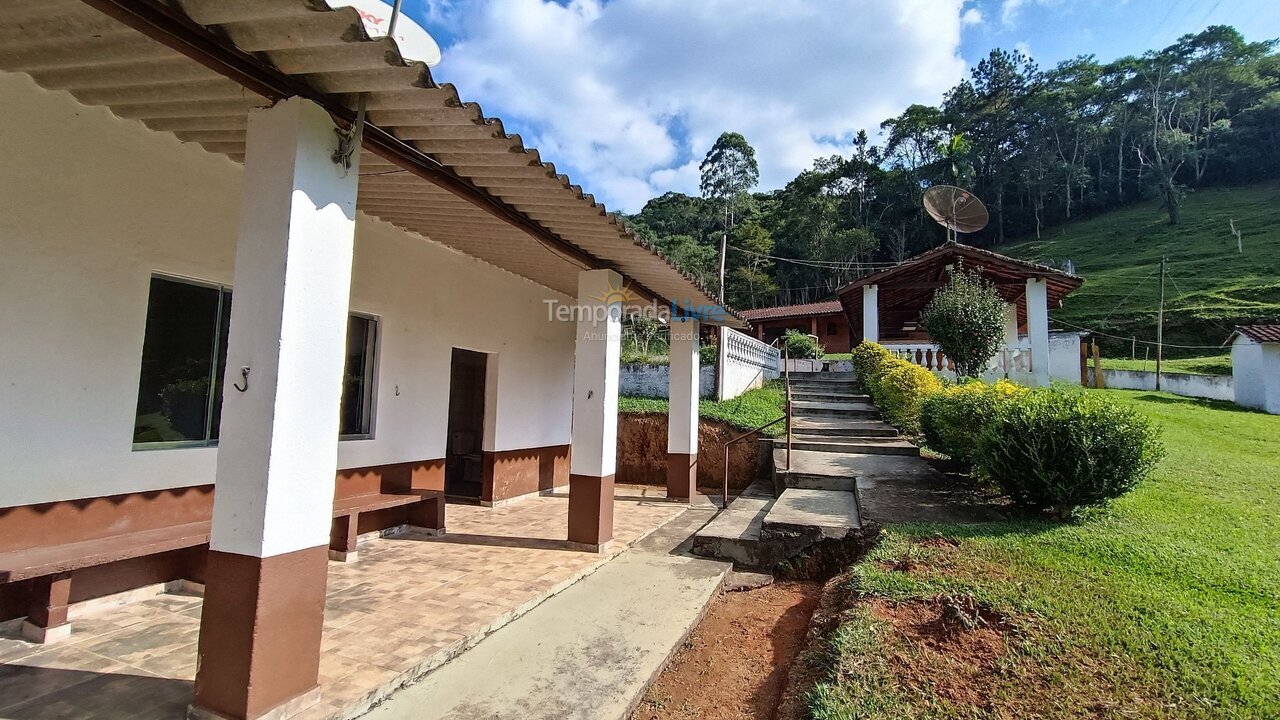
{"x":184,"y":358}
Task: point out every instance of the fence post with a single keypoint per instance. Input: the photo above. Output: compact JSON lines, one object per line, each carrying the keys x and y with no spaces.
{"x":1084,"y":363}
{"x":1098,"y":381}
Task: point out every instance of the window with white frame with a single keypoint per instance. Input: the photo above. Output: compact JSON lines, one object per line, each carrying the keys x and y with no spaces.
{"x":184,"y":356}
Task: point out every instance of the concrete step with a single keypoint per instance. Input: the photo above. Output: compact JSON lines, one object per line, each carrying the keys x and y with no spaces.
{"x":734,"y":534}
{"x":841,"y":427}
{"x":814,"y":514}
{"x":839,"y":409}
{"x":862,"y":446}
{"x":831,"y":386}
{"x":812,"y":481}
{"x":824,"y":376}
{"x":825,"y":396}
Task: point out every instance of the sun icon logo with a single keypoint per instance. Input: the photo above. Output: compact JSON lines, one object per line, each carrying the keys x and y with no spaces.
{"x":620,"y":294}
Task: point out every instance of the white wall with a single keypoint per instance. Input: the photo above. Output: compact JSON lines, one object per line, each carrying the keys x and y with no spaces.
{"x":1214,"y":387}
{"x":1246,"y":368}
{"x":93,"y":205}
{"x":1064,"y":356}
{"x":744,"y":363}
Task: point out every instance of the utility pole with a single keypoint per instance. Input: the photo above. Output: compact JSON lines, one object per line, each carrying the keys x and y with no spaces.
{"x":1160,"y":325}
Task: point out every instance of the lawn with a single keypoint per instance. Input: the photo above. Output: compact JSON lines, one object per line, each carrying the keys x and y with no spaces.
{"x":1164,"y":604}
{"x":1210,"y":286}
{"x":748,"y":411}
{"x":1209,"y":365}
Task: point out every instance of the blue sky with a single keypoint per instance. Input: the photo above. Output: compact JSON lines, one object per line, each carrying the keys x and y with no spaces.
{"x":626,"y":96}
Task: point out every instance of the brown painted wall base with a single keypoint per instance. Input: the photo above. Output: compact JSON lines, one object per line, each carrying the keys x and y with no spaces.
{"x":682,"y":476}
{"x":260,"y":631}
{"x":590,"y":510}
{"x":511,"y":473}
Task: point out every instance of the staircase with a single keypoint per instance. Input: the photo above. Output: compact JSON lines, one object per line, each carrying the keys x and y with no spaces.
{"x":815,"y":497}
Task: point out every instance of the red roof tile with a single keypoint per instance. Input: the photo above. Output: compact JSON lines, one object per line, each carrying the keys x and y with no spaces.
{"x":1260,"y":333}
{"x":785,"y":311}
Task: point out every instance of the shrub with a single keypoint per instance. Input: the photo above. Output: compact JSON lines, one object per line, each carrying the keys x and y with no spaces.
{"x":707,"y":354}
{"x":966,"y":319}
{"x":802,"y":347}
{"x":1056,"y":450}
{"x":899,"y":389}
{"x":867,"y":359}
{"x":952,"y":419}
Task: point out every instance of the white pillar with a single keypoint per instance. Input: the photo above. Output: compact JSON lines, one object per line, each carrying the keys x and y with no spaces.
{"x":594,"y":454}
{"x":871,"y":313}
{"x":682,"y":416}
{"x":1038,"y":329}
{"x":277,"y":454}
{"x":1011,"y":324}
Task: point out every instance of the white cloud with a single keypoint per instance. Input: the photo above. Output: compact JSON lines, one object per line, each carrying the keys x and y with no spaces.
{"x":1009,"y":11}
{"x":1022,"y":47}
{"x":630,"y":94}
{"x":971,"y":17}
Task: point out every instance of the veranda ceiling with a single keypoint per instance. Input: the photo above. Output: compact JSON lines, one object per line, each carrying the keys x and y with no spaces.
{"x":431,"y":163}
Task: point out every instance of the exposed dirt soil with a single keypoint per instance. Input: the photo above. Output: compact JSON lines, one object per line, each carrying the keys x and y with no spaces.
{"x":947,"y":647}
{"x":642,"y":453}
{"x":735,"y":663}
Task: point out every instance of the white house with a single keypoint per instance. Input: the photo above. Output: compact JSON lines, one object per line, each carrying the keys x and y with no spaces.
{"x":212,"y":279}
{"x":1255,"y":366}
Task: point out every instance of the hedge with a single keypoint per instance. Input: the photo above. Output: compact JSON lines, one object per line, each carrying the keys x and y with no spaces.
{"x":952,"y":419}
{"x":1048,"y":449}
{"x":1057,"y":450}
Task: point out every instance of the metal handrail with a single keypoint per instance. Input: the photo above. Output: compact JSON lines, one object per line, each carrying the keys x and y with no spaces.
{"x":786,"y":374}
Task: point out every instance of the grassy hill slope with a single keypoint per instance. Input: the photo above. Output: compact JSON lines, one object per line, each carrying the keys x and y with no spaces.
{"x":1210,"y":286}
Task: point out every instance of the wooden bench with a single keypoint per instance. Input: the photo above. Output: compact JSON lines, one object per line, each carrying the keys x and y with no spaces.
{"x":50,"y":566}
{"x":426,"y":510}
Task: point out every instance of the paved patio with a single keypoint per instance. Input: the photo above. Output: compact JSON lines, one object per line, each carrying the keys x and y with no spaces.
{"x":408,"y":605}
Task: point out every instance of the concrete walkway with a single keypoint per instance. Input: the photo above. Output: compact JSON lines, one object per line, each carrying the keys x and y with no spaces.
{"x":588,"y":653}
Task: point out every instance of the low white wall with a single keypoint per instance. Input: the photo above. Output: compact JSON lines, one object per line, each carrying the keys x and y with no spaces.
{"x":652,"y":381}
{"x":94,"y":205}
{"x":744,"y":363}
{"x":1213,"y":387}
{"x":1064,"y":356}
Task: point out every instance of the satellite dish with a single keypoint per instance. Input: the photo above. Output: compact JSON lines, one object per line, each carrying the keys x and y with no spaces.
{"x":956,"y":209}
{"x":415,"y":43}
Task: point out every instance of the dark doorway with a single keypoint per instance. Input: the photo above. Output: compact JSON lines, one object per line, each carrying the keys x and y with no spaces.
{"x":464,"y":461}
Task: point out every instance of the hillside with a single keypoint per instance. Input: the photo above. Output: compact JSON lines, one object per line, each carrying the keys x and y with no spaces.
{"x":1210,"y":287}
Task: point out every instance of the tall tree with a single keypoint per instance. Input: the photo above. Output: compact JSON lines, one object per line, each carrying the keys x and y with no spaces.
{"x":729,"y":172}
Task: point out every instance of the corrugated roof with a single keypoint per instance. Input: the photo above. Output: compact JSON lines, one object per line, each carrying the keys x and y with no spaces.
{"x":68,"y":45}
{"x":1259,"y":333}
{"x":784,"y":311}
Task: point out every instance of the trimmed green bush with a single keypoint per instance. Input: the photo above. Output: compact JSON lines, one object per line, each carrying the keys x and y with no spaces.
{"x":899,"y":389}
{"x":867,"y":358}
{"x":799,"y":346}
{"x":952,"y":419}
{"x":1057,"y":451}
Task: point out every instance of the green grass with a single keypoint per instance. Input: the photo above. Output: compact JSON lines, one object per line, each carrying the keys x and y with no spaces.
{"x":1210,"y":365}
{"x":1211,"y":286}
{"x":748,"y":411}
{"x":1164,"y":604}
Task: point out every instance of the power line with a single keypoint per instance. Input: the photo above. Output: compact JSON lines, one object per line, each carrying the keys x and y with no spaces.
{"x":1126,"y":297}
{"x":843,"y":265}
{"x":1134,"y":339}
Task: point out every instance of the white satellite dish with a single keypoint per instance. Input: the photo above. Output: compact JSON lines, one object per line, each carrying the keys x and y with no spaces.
{"x":415,"y":42}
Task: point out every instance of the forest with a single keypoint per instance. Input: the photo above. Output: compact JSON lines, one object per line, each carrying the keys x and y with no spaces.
{"x":1039,"y":146}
